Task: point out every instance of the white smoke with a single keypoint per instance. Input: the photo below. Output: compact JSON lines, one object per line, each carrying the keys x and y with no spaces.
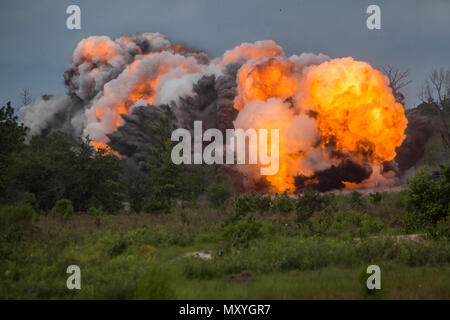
{"x":41,"y":113}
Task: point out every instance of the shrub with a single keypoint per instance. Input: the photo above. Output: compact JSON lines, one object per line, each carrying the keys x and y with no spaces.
{"x":62,"y":208}
{"x":117,"y":247}
{"x":158,"y":204}
{"x":263,"y":202}
{"x":245,"y":204}
{"x":283,"y":203}
{"x":376,"y":197}
{"x":310,"y":202}
{"x":15,"y":220}
{"x":351,"y":223}
{"x":345,"y":224}
{"x":144,"y":235}
{"x":96,"y":211}
{"x":428,"y":200}
{"x":442,"y":229}
{"x":320,"y":222}
{"x":240,"y":233}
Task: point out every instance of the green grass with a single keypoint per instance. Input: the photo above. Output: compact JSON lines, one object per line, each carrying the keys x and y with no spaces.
{"x":130,"y":256}
{"x":326,"y":283}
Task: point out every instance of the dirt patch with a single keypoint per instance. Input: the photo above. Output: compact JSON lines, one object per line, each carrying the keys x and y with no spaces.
{"x":203,"y":254}
{"x":245,"y":275}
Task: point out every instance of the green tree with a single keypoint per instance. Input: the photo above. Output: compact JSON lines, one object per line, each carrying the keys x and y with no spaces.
{"x":166,"y":182}
{"x":42,"y":168}
{"x":52,"y":169}
{"x":12,"y":133}
{"x":428,"y":199}
{"x":165,"y":176}
{"x":95,"y":178}
{"x":138,"y":188}
{"x":12,"y":137}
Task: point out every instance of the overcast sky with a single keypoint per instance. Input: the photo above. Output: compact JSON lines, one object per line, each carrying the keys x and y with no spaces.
{"x":36,"y":46}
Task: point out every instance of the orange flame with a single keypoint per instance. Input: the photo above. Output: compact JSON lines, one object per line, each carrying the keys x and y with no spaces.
{"x":98,"y":49}
{"x":355,"y":109}
{"x":269,"y":78}
{"x":350,"y":102}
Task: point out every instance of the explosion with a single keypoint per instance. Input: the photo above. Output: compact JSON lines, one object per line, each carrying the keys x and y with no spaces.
{"x":354,"y":109}
{"x":339,"y":123}
{"x":338,"y":110}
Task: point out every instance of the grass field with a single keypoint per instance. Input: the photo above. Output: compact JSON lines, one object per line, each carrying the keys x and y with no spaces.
{"x":266,"y":255}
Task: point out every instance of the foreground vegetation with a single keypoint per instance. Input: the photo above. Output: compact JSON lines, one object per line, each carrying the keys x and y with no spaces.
{"x":249,"y":252}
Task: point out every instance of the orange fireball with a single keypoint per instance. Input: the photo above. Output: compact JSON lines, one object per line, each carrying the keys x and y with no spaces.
{"x":354,"y":108}
{"x":349,"y":105}
{"x":264,"y":79}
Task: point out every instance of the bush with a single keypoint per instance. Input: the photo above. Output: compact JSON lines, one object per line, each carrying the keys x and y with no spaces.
{"x":263,"y":202}
{"x":310,"y":202}
{"x":240,"y":233}
{"x":428,"y":200}
{"x":62,"y":208}
{"x":15,"y":220}
{"x":117,"y":247}
{"x":283,"y":203}
{"x":96,"y":211}
{"x":158,"y":204}
{"x":354,"y":224}
{"x":245,"y":204}
{"x":442,"y":229}
{"x":155,"y":236}
{"x":376,"y":197}
{"x":345,"y":224}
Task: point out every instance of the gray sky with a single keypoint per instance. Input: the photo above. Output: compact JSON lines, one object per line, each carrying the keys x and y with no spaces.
{"x":36,"y":46}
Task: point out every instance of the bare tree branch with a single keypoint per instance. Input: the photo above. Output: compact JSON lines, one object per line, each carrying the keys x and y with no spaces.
{"x":437,"y":88}
{"x":25,"y":96}
{"x":397,"y":80}
{"x":436,"y":92}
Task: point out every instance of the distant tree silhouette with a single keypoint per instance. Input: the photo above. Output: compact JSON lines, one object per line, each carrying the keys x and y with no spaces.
{"x":397,"y":80}
{"x":436,"y":92}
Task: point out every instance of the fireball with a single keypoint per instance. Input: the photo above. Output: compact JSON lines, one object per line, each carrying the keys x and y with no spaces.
{"x":354,"y":108}
{"x":340,"y":109}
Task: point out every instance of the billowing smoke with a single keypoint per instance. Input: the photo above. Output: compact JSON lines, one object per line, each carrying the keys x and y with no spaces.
{"x":339,"y":124}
